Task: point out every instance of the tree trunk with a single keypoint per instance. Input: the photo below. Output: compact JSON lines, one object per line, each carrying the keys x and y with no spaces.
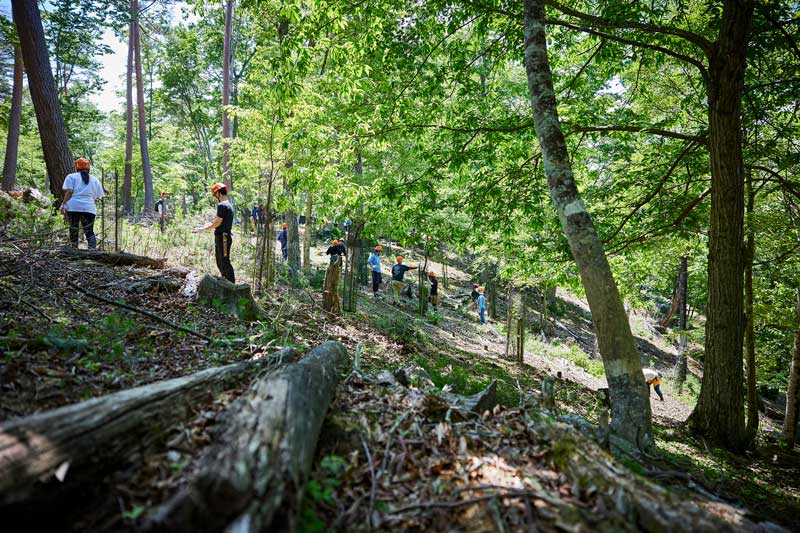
{"x":127,"y":206}
{"x":330,"y":290}
{"x":80,"y":443}
{"x":521,"y":324}
{"x":12,"y":140}
{"x":226,"y":95}
{"x":351,"y":272}
{"x":293,"y":242}
{"x":308,"y":232}
{"x":630,"y":404}
{"x":793,"y":388}
{"x":147,"y":175}
{"x":674,"y":306}
{"x":254,"y":478}
{"x":509,"y":317}
{"x":749,"y":332}
{"x":53,"y":133}
{"x":719,"y":414}
{"x":683,"y":280}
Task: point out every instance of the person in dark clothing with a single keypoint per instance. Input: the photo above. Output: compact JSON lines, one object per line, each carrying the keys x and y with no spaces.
{"x":336,"y":250}
{"x":222,"y":231}
{"x":398,"y":272}
{"x":282,"y":238}
{"x":434,"y":294}
{"x":474,"y":296}
{"x":254,"y":214}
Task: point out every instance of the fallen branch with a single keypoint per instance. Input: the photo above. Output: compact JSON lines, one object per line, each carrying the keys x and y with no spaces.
{"x":114,"y":258}
{"x":140,"y":311}
{"x":49,"y":459}
{"x":254,"y":478}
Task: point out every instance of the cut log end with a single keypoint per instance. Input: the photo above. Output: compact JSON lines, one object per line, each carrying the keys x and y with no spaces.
{"x":234,"y":299}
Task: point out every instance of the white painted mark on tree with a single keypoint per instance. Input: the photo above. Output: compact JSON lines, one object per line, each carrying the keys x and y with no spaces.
{"x":574,"y":207}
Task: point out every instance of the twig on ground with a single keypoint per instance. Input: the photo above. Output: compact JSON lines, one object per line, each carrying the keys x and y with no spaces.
{"x":373,"y":488}
{"x":141,"y":311}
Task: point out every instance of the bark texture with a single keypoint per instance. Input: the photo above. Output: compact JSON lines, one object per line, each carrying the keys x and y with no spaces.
{"x":127,"y":207}
{"x":254,"y":478}
{"x":308,"y":232}
{"x":793,"y":388}
{"x":683,"y":281}
{"x":14,"y":116}
{"x":749,"y":330}
{"x":147,"y":175}
{"x":630,"y":405}
{"x":42,"y":86}
{"x":719,"y":414}
{"x":82,"y":442}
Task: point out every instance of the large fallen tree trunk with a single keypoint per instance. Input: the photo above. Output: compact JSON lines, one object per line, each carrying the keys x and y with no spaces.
{"x":253,"y":478}
{"x":114,"y":258}
{"x":64,"y":452}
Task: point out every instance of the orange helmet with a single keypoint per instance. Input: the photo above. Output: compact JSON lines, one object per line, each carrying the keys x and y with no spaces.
{"x":335,"y":242}
{"x":379,"y":248}
{"x":218,"y":186}
{"x":399,"y":258}
{"x":481,"y":290}
{"x":82,"y":163}
{"x":283,"y":225}
{"x":432,"y":274}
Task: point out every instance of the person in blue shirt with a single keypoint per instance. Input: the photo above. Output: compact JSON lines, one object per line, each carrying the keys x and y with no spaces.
{"x":374,"y":262}
{"x":398,"y":271}
{"x":482,"y":305}
{"x":282,"y":237}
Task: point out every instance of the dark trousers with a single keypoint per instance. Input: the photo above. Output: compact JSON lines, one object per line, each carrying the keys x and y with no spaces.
{"x":284,"y":251}
{"x":222,"y":250}
{"x":377,"y":279}
{"x":657,"y":388}
{"x":78,"y":220}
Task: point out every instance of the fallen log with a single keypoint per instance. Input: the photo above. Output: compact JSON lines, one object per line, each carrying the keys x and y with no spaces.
{"x":114,"y":258}
{"x":234,"y":299}
{"x":253,"y":478}
{"x":52,"y":458}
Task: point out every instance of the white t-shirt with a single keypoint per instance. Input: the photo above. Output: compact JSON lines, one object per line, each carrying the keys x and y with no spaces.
{"x":649,"y":374}
{"x":83,"y":194}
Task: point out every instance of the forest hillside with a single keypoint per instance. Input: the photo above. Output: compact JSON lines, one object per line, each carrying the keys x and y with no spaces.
{"x":325,"y":265}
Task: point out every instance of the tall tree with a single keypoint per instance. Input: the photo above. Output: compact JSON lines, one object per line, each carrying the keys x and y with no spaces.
{"x":127,"y":208}
{"x":147,"y":175}
{"x":793,"y":388}
{"x":630,"y":405}
{"x":12,"y":140}
{"x":226,"y":96}
{"x":53,"y":133}
{"x":719,"y":413}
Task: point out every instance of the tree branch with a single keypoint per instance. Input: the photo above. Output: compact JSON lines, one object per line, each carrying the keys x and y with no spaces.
{"x":693,"y":38}
{"x":699,"y":139}
{"x":611,"y":37}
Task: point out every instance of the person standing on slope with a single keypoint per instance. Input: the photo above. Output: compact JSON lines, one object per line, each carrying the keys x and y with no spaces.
{"x":374,"y":262}
{"x":434,"y":293}
{"x":222,"y":231}
{"x":398,"y":271}
{"x":482,"y":305}
{"x":81,"y":191}
{"x":282,"y":238}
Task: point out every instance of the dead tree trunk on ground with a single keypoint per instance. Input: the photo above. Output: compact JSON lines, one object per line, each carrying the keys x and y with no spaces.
{"x":254,"y":478}
{"x":53,"y":458}
{"x":114,"y":258}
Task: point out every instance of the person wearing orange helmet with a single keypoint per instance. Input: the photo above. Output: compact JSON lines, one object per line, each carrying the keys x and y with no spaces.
{"x":434,"y":292}
{"x":283,"y":237}
{"x":398,"y":271}
{"x":482,"y":305}
{"x":222,"y":231}
{"x":336,"y":250}
{"x":374,"y":263}
{"x":81,"y":191}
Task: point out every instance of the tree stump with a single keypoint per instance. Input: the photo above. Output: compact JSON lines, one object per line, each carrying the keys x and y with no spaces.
{"x":330,"y":291}
{"x":234,"y":299}
{"x":253,"y":478}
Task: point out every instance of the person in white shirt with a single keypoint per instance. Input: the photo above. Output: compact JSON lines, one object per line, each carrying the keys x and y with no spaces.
{"x":81,"y":191}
